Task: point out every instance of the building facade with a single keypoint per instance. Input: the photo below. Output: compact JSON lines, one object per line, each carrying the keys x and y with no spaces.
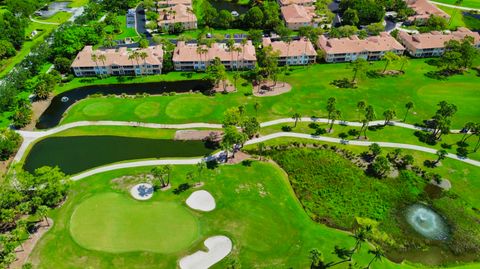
{"x":349,"y":49}
{"x":296,"y":16}
{"x":179,"y":13}
{"x":433,"y":44}
{"x":194,"y":57}
{"x":118,"y":62}
{"x":296,"y":52}
{"x":423,"y":10}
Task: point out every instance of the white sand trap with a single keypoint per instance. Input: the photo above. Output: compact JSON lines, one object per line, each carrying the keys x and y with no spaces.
{"x":142,"y":191}
{"x":218,"y":248}
{"x":201,"y":200}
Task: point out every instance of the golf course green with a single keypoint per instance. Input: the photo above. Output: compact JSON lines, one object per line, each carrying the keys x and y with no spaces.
{"x":113,"y":222}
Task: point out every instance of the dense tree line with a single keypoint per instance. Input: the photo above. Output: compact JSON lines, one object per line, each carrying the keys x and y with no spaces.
{"x":24,"y":201}
{"x":265,"y":15}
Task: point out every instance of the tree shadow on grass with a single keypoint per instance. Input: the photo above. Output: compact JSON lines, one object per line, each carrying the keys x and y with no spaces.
{"x":181,"y":188}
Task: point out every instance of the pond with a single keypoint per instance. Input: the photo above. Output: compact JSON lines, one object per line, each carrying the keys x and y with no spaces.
{"x":230,"y":6}
{"x":52,"y":116}
{"x":75,"y":154}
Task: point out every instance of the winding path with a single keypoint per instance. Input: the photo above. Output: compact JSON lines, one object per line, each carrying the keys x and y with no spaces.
{"x":31,"y":136}
{"x":193,"y":161}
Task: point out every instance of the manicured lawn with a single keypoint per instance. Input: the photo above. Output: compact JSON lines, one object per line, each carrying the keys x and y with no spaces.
{"x":256,"y":208}
{"x":126,"y":32}
{"x":311,"y":89}
{"x":461,"y":20}
{"x":112,"y":222}
{"x":466,"y":3}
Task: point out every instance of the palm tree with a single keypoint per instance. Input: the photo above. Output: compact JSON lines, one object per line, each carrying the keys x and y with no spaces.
{"x":200,"y":167}
{"x":378,"y":255}
{"x":159,"y":173}
{"x":369,"y":116}
{"x":296,"y":117}
{"x":441,"y":154}
{"x":230,"y":46}
{"x":360,"y":237}
{"x":335,"y":115}
{"x":389,"y":57}
{"x":243,"y":43}
{"x":256,"y":106}
{"x":42,"y":212}
{"x":143,"y":55}
{"x":316,"y":258}
{"x":261,"y":148}
{"x":361,"y":105}
{"x":359,"y":65}
{"x":132,"y":55}
{"x":168,"y":172}
{"x":408,"y":106}
{"x":103,"y":59}
{"x":403,"y":61}
{"x":388,"y":114}
{"x":471,"y":128}
{"x":331,"y":106}
{"x":95,"y":60}
{"x":225,"y":145}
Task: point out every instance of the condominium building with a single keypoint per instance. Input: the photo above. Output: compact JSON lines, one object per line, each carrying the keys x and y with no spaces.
{"x":296,"y":2}
{"x":433,"y":43}
{"x":351,"y":48}
{"x":423,"y":10}
{"x":188,"y":56}
{"x":297,"y":16}
{"x":180,"y":13}
{"x":296,"y":52}
{"x":118,"y":62}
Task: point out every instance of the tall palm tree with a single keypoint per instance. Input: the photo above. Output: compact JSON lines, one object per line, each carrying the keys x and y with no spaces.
{"x":103,"y":59}
{"x":42,"y":212}
{"x":243,"y":43}
{"x":378,"y":255}
{"x":143,"y":55}
{"x":389,"y":57}
{"x":408,"y":106}
{"x":403,"y":61}
{"x":230,"y":46}
{"x":337,"y":114}
{"x":296,"y":117}
{"x":95,"y":60}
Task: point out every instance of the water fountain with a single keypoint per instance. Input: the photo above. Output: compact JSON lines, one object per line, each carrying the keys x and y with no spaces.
{"x":427,"y":222}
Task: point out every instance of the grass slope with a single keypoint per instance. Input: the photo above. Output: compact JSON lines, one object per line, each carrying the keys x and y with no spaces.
{"x":465,"y":3}
{"x":256,"y":208}
{"x":311,"y":89}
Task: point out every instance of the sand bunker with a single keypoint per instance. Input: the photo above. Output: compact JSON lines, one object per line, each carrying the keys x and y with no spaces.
{"x":142,"y":191}
{"x":218,"y":248}
{"x":201,"y":200}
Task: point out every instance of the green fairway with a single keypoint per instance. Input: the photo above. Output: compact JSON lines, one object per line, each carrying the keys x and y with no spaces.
{"x":465,"y":3}
{"x":112,"y":222}
{"x":458,"y":19}
{"x":256,"y":208}
{"x":311,"y":89}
